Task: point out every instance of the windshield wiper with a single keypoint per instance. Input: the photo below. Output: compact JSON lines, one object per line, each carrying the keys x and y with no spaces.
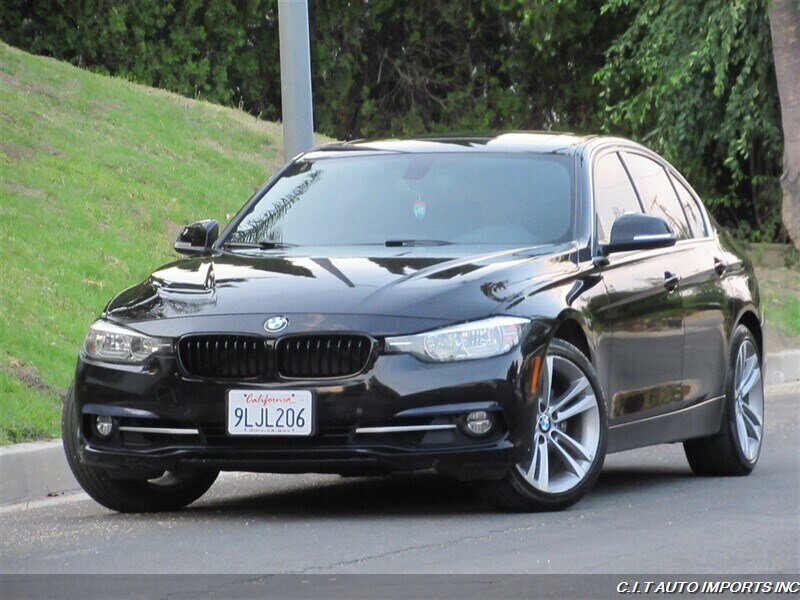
{"x":263,"y":245}
{"x":400,"y":243}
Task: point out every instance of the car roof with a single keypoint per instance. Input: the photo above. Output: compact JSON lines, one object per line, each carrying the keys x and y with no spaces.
{"x":539,"y":142}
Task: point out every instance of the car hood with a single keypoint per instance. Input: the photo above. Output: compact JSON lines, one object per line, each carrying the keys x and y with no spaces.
{"x":439,"y":284}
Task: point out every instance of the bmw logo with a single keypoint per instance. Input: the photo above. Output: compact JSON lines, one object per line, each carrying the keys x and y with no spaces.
{"x":277,"y":323}
{"x":544,"y":423}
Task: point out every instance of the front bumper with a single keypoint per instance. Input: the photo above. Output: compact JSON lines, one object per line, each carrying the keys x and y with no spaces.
{"x":174,"y":421}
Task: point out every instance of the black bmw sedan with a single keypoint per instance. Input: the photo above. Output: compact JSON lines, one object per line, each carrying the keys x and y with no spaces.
{"x":506,"y":310}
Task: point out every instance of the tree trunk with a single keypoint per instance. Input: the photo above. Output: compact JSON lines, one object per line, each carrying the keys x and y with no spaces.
{"x":784,"y":19}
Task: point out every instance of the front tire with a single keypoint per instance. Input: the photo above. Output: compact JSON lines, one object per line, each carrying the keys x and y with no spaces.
{"x":171,"y":491}
{"x":735,"y":448}
{"x":569,"y":438}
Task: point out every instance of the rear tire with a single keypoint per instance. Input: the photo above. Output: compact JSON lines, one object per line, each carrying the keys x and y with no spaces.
{"x":170,"y":492}
{"x":525,"y":488}
{"x":725,"y":452}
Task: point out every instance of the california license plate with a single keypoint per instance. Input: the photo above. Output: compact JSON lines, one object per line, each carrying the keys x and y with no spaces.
{"x":270,"y":412}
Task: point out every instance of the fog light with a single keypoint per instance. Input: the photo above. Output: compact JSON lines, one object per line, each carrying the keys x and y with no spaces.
{"x":479,"y":422}
{"x":104,"y":426}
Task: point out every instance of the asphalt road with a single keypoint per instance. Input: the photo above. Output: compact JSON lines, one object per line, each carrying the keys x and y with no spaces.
{"x":648,"y":514}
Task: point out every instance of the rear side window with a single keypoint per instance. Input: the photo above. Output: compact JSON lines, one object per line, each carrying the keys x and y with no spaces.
{"x":657,"y":193}
{"x":613,"y":194}
{"x":691,"y":209}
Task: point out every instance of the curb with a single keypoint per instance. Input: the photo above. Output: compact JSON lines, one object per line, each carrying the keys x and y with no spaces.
{"x":783,"y":367}
{"x":34,"y":470}
{"x":39,"y":469}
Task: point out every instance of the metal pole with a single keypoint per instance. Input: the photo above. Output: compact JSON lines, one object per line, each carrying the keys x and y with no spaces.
{"x":298,"y":117}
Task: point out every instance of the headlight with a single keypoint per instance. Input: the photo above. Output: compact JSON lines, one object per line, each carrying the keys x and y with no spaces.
{"x":480,"y":339}
{"x":109,"y":342}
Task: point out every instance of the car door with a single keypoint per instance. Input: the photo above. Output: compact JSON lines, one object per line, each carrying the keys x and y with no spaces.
{"x":702,"y":266}
{"x":644,"y":317}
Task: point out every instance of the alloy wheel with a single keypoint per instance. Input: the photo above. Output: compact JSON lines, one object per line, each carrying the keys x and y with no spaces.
{"x":567,"y":429}
{"x":748,"y":401}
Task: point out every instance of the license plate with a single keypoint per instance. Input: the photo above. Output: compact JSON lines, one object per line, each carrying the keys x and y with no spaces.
{"x":270,"y":412}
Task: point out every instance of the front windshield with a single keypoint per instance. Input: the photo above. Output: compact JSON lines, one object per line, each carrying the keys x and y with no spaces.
{"x":458,"y":198}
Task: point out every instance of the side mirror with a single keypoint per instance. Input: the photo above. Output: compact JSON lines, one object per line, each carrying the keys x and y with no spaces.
{"x":197,"y":237}
{"x":638,"y":232}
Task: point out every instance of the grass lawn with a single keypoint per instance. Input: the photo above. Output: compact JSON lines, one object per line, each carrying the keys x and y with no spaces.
{"x":28,"y":411}
{"x":96,"y":177}
{"x":781,"y":291}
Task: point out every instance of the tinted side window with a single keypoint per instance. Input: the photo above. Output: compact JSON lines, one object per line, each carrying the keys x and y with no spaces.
{"x":613,"y":194}
{"x":691,"y":209}
{"x":657,"y":193}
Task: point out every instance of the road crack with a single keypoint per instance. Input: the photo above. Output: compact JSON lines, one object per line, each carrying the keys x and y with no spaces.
{"x":443,"y":544}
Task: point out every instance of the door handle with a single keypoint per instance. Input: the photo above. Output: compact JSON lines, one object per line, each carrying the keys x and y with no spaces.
{"x":671,"y":280}
{"x":720,"y":266}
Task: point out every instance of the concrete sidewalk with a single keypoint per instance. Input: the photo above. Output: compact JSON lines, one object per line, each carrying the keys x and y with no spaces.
{"x":39,"y":469}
